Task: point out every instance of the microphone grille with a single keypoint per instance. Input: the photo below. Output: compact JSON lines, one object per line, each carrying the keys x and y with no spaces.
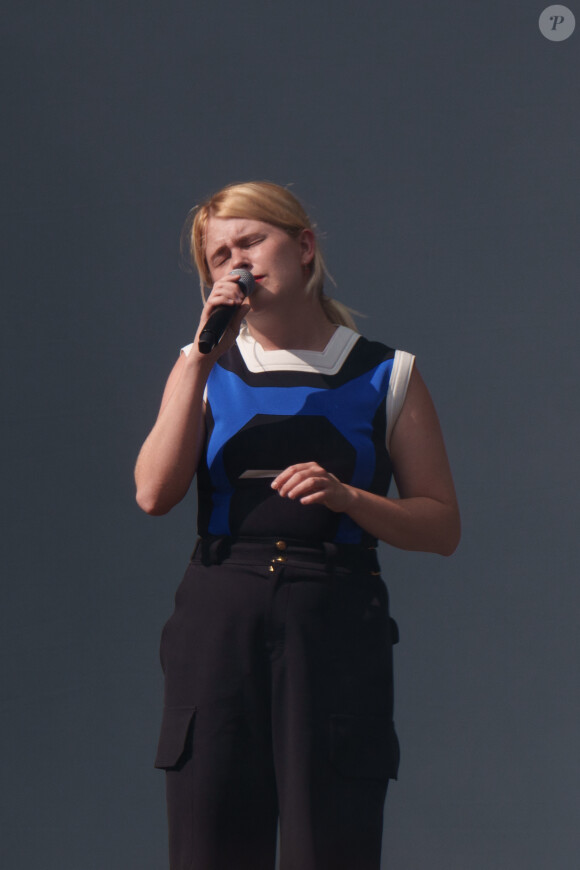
{"x":245,"y":280}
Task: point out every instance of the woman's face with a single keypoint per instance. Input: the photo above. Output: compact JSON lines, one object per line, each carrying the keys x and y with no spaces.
{"x":276,"y":260}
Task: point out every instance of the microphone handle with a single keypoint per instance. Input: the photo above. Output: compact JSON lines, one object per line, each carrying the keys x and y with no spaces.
{"x":215,"y":327}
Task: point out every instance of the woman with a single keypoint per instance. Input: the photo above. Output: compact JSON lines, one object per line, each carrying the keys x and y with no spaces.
{"x":278,"y":656}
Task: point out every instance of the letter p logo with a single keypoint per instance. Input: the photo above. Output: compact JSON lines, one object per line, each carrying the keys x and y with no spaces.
{"x":557,"y":23}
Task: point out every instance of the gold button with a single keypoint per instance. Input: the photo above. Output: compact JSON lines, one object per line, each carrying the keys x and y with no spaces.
{"x":281,"y":558}
{"x":280,"y":545}
{"x":271,"y":569}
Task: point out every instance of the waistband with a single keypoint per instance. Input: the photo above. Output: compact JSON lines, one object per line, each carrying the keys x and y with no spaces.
{"x":354,"y":558}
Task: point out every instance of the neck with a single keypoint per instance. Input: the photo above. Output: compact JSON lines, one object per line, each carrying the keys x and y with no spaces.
{"x":298,"y":329}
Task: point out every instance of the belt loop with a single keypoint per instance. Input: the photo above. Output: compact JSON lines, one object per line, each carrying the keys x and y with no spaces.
{"x":195,"y":549}
{"x":213,"y":550}
{"x":330,"y":553}
{"x":219,"y":549}
{"x":375,"y":568}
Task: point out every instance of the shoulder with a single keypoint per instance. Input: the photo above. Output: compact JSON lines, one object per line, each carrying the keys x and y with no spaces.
{"x":397,"y":363}
{"x":391,"y":370}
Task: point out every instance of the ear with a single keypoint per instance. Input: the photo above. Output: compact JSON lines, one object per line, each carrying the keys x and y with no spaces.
{"x":307,"y":242}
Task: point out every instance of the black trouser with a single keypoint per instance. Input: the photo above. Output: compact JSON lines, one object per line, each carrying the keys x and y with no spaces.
{"x":278,"y":701}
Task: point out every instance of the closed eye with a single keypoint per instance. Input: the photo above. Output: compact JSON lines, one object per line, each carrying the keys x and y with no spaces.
{"x":223,"y":254}
{"x":249,"y":243}
{"x":220,"y":257}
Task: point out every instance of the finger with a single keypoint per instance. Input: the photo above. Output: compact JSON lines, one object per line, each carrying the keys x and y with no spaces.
{"x":281,"y":479}
{"x":227,"y":283}
{"x":298,"y":468}
{"x":225,"y":296}
{"x":230,"y":281}
{"x":307,"y":487}
{"x":291,"y":480}
{"x":315,"y":498}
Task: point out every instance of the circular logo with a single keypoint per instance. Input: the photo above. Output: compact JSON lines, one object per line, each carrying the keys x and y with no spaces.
{"x":557,"y":23}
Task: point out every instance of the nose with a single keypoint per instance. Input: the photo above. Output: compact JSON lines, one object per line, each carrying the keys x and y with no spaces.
{"x":240,"y":259}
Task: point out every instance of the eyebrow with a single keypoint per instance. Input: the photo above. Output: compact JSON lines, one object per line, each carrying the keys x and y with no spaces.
{"x":240,"y":240}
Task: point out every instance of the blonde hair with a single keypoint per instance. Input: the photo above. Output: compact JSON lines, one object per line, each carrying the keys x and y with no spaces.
{"x":262,"y":201}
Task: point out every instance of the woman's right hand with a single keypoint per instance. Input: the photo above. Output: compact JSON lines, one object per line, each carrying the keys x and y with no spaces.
{"x":225,"y":292}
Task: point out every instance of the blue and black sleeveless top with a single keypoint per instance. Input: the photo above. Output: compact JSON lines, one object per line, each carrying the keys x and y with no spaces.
{"x":266,"y":410}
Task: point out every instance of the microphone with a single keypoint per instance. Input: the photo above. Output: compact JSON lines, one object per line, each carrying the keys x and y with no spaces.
{"x":219,"y":320}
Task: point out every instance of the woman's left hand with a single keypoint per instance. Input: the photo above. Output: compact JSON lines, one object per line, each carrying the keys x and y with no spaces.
{"x":311,"y":484}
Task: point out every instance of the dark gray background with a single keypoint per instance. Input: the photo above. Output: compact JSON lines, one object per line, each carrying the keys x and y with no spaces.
{"x":436,"y":146}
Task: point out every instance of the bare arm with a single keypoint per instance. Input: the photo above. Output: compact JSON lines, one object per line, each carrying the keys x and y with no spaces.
{"x":170,"y":455}
{"x":426,"y":516}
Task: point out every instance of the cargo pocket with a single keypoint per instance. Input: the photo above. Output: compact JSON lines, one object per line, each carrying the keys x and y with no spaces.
{"x":364,"y":746}
{"x":174,"y":747}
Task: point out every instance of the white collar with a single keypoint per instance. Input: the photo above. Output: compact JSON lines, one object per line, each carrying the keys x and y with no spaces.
{"x":327,"y":361}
